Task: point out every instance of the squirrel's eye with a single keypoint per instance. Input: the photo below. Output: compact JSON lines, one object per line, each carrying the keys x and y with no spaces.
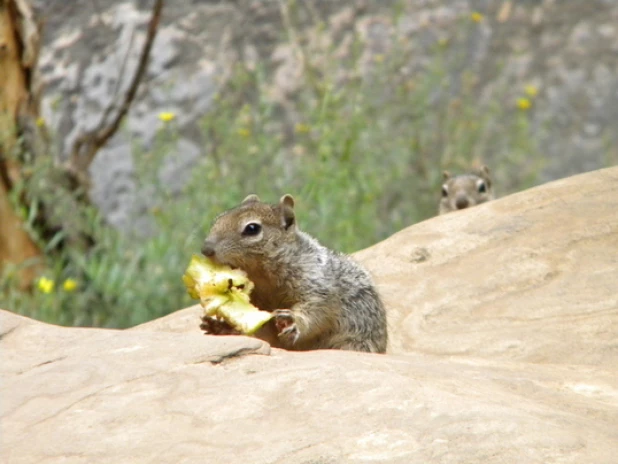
{"x":444,"y":191}
{"x":253,"y":228}
{"x":482,"y":187}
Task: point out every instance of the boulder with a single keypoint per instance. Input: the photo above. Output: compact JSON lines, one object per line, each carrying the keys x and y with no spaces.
{"x":76,"y":395}
{"x":182,"y":321}
{"x":503,"y":318}
{"x":529,"y":277}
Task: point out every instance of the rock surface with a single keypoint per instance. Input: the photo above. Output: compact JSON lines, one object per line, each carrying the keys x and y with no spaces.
{"x":107,"y":396}
{"x":504,"y":321}
{"x":530,"y":277}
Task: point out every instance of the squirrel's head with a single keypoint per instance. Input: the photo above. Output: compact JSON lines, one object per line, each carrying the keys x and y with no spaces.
{"x":466,"y":190}
{"x":243,"y":236}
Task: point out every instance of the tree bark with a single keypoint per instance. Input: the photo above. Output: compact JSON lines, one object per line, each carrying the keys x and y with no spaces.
{"x":19,"y":116}
{"x":19,"y":47}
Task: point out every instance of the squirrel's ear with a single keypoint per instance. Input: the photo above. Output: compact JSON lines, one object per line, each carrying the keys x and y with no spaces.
{"x":250,"y":199}
{"x":446,"y":175}
{"x":287,"y":211}
{"x":287,"y":200}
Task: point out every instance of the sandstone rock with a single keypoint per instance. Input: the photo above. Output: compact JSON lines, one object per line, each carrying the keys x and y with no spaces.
{"x":529,"y":277}
{"x":181,"y":321}
{"x":93,"y":395}
{"x":503,"y":349}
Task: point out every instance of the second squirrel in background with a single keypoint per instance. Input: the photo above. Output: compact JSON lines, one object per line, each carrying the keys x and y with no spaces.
{"x":465,"y":190}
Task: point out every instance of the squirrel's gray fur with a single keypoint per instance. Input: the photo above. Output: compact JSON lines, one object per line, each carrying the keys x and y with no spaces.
{"x":321,"y":298}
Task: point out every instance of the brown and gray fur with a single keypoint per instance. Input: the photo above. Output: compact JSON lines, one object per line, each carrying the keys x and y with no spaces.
{"x":321,"y":298}
{"x":465,"y":190}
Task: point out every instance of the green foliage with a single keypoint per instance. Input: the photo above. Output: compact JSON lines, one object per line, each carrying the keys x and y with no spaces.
{"x":363,"y":158}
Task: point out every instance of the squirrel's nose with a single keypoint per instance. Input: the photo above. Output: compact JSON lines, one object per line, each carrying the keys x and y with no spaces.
{"x":208,"y":249}
{"x":462,"y":202}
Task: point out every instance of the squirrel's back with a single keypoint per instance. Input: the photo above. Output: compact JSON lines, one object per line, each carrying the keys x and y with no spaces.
{"x":347,"y":288}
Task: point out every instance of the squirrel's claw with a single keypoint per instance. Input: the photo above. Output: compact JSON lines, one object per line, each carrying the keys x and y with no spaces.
{"x":286,"y":326}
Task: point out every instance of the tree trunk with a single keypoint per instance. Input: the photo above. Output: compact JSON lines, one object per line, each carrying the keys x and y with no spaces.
{"x":19,"y":48}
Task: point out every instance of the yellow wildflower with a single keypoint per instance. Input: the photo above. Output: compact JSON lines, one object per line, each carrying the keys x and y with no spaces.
{"x":69,"y":285}
{"x":244,"y":132}
{"x":45,"y":285}
{"x":523,"y":104}
{"x":40,"y":121}
{"x":476,"y":17}
{"x":167,"y":116}
{"x":531,"y":90}
{"x":301,"y":128}
{"x":379,"y":58}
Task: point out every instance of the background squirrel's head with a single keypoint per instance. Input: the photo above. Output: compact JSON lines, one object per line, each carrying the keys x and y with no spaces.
{"x":466,"y":190}
{"x":243,"y":236}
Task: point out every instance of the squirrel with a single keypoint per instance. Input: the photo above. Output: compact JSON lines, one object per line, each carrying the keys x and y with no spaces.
{"x":321,"y":298}
{"x":465,"y":190}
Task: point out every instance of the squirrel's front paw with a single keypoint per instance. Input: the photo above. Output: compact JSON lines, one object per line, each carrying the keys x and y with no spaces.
{"x":213,"y":326}
{"x":286,"y":326}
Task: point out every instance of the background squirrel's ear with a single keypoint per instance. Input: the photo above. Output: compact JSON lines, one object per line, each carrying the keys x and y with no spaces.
{"x":484,"y":170}
{"x":286,"y":205}
{"x":287,"y":200}
{"x":250,"y":199}
{"x":446,"y":175}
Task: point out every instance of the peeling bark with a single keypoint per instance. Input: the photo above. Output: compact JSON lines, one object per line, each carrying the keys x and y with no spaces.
{"x":19,"y":100}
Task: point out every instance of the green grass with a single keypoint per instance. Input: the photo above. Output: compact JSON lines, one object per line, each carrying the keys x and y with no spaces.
{"x":363,"y":160}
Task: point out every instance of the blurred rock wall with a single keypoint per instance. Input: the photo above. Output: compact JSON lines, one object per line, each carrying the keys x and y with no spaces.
{"x":568,"y":50}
